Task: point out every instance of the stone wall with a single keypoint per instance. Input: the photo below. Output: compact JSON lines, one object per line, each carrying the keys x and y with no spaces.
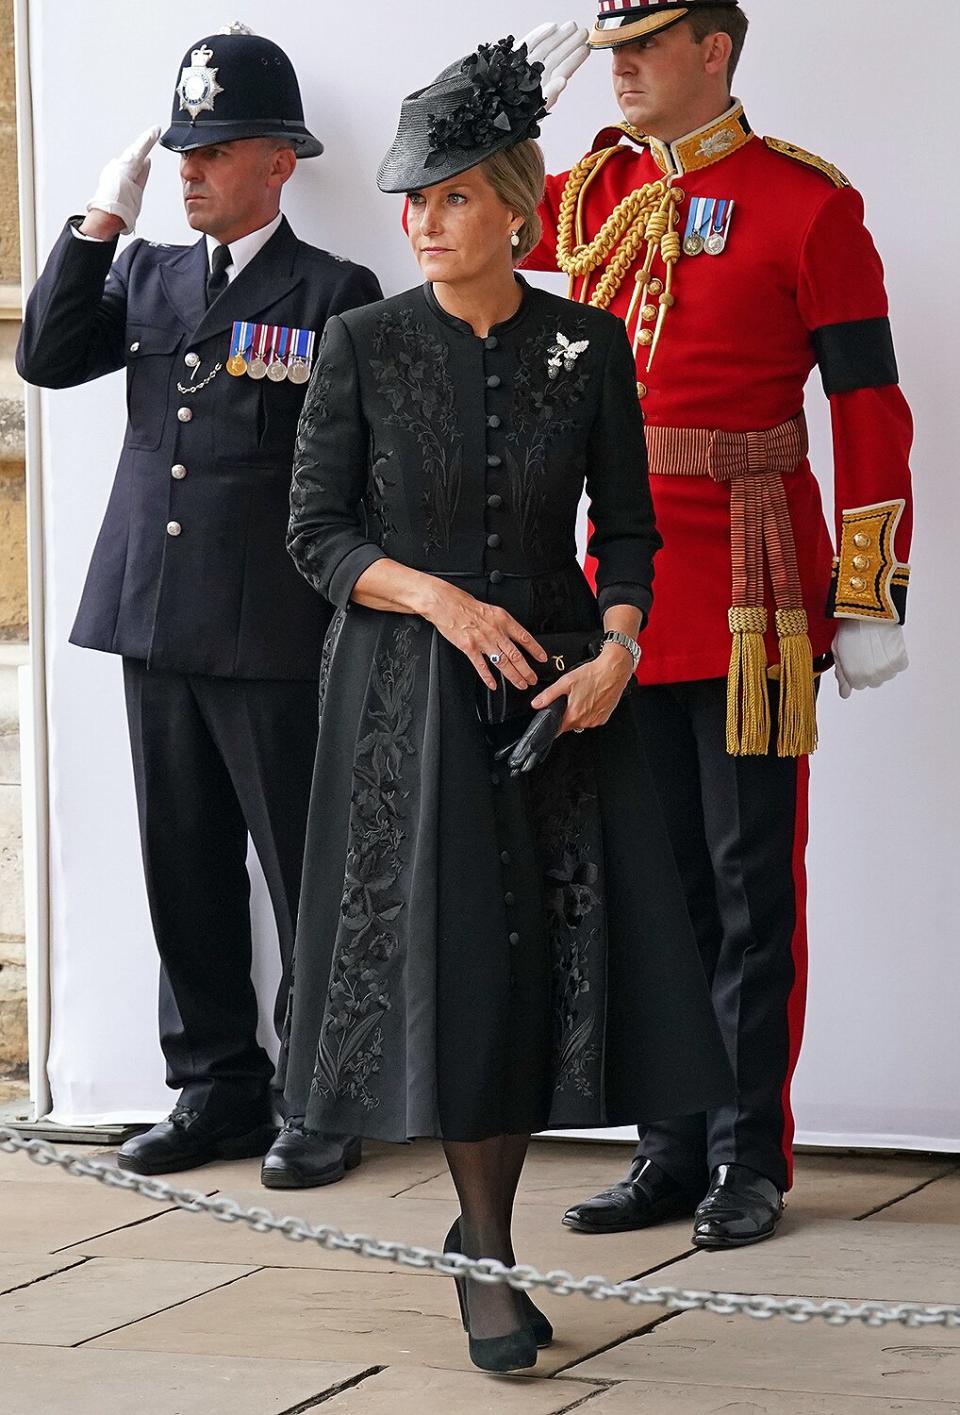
{"x":13,"y":582}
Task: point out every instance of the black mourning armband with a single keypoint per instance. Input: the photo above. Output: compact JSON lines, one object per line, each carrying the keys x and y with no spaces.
{"x":856,"y":354}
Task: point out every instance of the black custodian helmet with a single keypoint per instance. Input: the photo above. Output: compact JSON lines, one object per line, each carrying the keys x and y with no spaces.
{"x":237,"y":85}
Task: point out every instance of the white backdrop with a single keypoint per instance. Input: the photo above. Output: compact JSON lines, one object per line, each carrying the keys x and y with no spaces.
{"x":849,"y":81}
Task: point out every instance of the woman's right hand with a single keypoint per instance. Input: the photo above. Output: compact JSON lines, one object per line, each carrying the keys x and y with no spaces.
{"x":478,"y":630}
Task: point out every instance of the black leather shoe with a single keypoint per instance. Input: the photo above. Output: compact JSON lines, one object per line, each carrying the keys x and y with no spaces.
{"x":647,"y":1196}
{"x":302,"y":1159}
{"x":742,"y":1207}
{"x":188,"y":1139}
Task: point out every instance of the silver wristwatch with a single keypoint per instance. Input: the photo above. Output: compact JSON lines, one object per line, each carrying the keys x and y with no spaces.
{"x":616,"y":636}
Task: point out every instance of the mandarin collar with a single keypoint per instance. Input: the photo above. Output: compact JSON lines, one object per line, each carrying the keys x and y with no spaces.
{"x":504,"y":327}
{"x":704,"y":146}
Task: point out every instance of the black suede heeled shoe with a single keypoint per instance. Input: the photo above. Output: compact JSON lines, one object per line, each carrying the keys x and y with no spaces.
{"x":517,"y":1351}
{"x":539,"y":1322}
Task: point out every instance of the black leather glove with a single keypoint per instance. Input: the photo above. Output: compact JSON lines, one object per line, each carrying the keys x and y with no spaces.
{"x":534,"y":746}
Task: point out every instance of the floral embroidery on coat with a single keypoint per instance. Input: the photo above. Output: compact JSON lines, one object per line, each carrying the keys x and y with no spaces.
{"x":413,"y":376}
{"x":350,"y":1048}
{"x":565,"y":804}
{"x":316,"y":412}
{"x":545,"y":396}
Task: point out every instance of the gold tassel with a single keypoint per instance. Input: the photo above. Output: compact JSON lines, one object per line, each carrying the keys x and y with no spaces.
{"x":748,"y":701}
{"x":798,"y":701}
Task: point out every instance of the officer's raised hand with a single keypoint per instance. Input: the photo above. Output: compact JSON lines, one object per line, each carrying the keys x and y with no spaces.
{"x":561,"y":49}
{"x":115,"y":205}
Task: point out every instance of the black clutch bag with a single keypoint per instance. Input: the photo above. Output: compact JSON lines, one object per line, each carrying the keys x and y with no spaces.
{"x":566,"y":651}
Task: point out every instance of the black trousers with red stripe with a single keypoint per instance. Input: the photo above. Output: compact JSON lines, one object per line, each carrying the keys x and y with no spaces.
{"x":739,"y":828}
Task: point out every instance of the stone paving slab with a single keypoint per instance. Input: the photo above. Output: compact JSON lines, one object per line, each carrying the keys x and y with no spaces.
{"x":20,"y":1269}
{"x":937,"y":1203}
{"x":830,"y":1258}
{"x":40,"y":1218}
{"x":87,"y":1382}
{"x":400,"y":1390}
{"x":387,"y":1318}
{"x":23,"y":1170}
{"x":540,"y":1237}
{"x":734,"y":1354}
{"x":849,"y":1186}
{"x":101,"y":1295}
{"x":646,"y":1398}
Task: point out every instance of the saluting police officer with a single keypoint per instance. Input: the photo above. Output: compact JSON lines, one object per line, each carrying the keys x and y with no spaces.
{"x":190,"y":580}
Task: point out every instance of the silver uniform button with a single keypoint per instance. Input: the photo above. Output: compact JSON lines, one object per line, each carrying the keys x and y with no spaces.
{"x":179,"y":471}
{"x":135,"y":346}
{"x":191,"y":360}
{"x":174,"y":528}
{"x":184,"y":414}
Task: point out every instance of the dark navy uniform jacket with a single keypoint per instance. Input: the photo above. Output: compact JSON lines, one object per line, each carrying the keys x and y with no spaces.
{"x":190,"y":571}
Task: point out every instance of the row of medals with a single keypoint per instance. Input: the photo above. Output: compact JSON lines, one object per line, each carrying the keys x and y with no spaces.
{"x":715,"y":244}
{"x":298,"y":370}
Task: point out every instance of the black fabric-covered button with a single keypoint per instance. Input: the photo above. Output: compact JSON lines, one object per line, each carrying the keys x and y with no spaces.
{"x":494,"y":461}
{"x":514,"y":940}
{"x":496,"y":577}
{"x":491,"y":342}
{"x":493,"y":541}
{"x":493,"y":420}
{"x":494,"y":502}
{"x":505,"y":857}
{"x":509,"y":898}
{"x":494,"y":381}
{"x":494,"y":778}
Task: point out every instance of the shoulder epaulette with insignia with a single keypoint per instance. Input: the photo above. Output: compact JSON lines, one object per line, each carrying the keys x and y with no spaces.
{"x":809,"y":159}
{"x":611,"y":136}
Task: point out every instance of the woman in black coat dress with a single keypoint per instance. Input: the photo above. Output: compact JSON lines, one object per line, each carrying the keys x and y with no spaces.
{"x":481,"y":957}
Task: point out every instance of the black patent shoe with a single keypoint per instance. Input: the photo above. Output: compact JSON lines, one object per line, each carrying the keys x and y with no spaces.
{"x":302,"y":1159}
{"x":188,"y":1139}
{"x":647,"y":1196}
{"x":539,"y":1322}
{"x":742,"y":1207}
{"x":517,"y":1351}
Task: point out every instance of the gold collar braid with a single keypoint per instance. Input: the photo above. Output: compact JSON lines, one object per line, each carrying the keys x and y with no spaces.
{"x":646,"y":215}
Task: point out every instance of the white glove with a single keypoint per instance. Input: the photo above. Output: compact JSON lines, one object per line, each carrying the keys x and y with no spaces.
{"x":120,"y":188}
{"x":561,"y":49}
{"x":868,"y":654}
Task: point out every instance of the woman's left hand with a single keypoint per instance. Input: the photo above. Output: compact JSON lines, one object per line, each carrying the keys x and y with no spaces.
{"x":592,"y":691}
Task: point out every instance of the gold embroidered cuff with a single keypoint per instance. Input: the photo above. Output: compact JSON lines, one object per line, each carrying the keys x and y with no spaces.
{"x":868,"y":581}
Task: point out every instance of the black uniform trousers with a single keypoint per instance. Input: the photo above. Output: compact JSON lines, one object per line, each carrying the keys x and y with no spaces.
{"x":216,"y":759}
{"x":739,"y":830}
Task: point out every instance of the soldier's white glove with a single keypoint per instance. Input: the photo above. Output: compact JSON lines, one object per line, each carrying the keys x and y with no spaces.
{"x":868,"y":654}
{"x":120,"y":188}
{"x":561,"y":49}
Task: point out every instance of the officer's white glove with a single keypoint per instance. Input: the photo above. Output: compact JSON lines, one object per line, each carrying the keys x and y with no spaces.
{"x":561,"y":49}
{"x":868,"y":654}
{"x":120,"y":188}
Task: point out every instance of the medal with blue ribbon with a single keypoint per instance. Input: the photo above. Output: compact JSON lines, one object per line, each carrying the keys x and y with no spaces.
{"x":699,"y":224}
{"x":239,"y":347}
{"x":277,"y":368}
{"x":716,"y":241}
{"x":300,"y":363}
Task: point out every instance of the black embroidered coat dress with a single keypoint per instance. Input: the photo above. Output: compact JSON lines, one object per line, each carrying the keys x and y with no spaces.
{"x":477,"y":955}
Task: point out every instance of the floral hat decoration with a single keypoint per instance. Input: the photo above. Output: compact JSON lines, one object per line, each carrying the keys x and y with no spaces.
{"x":482,"y":104}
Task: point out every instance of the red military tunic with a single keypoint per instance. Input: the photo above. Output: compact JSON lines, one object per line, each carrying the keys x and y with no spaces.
{"x":799,"y":282}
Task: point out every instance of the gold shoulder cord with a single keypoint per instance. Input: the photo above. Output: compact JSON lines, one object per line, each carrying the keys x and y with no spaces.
{"x":809,"y":159}
{"x":645,"y":215}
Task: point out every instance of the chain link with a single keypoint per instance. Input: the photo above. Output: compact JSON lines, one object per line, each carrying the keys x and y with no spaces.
{"x":835,"y":1311}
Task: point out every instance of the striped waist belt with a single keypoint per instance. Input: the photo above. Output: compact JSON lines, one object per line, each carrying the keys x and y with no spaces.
{"x":754,"y":463}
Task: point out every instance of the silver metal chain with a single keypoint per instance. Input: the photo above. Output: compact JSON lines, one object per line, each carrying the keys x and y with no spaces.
{"x":835,"y":1311}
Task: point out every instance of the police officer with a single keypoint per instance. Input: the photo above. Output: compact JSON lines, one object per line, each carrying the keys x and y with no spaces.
{"x":190,"y":581}
{"x":738,"y":263}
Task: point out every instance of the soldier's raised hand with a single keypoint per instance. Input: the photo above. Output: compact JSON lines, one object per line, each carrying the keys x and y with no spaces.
{"x":120,"y":187}
{"x":561,"y":49}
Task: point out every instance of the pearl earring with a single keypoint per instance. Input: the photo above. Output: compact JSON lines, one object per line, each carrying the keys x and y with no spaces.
{"x":515,"y":239}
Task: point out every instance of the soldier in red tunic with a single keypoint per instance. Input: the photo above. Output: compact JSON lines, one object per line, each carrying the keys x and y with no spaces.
{"x":738,"y":262}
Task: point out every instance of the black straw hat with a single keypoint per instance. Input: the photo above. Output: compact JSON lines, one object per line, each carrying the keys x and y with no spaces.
{"x":624,"y":21}
{"x":486,"y":102}
{"x":237,"y":85}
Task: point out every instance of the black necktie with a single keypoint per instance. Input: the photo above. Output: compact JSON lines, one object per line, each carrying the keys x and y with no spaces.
{"x":217,"y":280}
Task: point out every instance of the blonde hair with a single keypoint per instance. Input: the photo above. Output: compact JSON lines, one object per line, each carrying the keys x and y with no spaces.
{"x":517,"y":174}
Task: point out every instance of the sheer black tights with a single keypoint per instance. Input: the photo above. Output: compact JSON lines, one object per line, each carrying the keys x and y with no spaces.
{"x":486,"y":1174}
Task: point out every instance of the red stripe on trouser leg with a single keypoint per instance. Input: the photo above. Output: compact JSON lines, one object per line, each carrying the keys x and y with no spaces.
{"x":797,"y":1002}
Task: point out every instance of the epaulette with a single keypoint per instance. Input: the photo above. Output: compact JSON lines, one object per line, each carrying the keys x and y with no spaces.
{"x":809,"y":159}
{"x":611,"y":136}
